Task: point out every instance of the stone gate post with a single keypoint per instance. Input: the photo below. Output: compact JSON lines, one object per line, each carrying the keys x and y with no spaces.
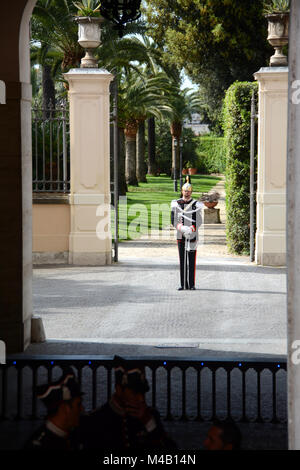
{"x":90,"y":168}
{"x":293,"y":230}
{"x":271,"y":172}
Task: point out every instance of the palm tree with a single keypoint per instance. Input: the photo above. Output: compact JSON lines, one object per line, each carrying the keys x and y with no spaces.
{"x":141,"y":97}
{"x":47,"y":60}
{"x":155,"y":61}
{"x":120,"y":57}
{"x":53,"y":26}
{"x":54,"y":43}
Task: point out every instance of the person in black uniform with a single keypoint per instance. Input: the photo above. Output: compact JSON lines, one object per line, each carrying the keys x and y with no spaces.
{"x":63,"y":402}
{"x":186,"y":218}
{"x":125,"y":421}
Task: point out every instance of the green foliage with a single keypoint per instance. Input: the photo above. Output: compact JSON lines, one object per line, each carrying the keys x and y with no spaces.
{"x":88,"y":8}
{"x":141,"y":96}
{"x":211,"y":156}
{"x":163,"y":147}
{"x":216,"y":41}
{"x":236,"y":122}
{"x":53,"y":30}
{"x":276,"y":6}
{"x":189,"y":149}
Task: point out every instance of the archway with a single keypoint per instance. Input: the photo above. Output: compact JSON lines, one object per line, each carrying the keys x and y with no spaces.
{"x":16,"y":179}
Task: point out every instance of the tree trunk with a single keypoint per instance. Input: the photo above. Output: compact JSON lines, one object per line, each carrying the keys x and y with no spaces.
{"x":130,"y":132}
{"x":130,"y":161}
{"x":141,"y":168}
{"x":151,"y":146}
{"x":122,"y":180}
{"x":48,"y":90}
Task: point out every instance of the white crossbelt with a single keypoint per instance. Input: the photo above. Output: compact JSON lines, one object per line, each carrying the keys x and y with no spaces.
{"x":185,"y":211}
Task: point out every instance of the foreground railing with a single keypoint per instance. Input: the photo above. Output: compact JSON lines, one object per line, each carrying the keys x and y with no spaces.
{"x":184,"y":389}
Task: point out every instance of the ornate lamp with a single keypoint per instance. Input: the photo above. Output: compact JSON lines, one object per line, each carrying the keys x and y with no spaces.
{"x":120,"y":12}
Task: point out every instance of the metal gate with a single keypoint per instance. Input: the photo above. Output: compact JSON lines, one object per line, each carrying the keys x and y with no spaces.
{"x":51,"y":148}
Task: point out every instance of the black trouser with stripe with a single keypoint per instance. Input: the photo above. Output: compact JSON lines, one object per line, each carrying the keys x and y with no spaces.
{"x":190,"y":265}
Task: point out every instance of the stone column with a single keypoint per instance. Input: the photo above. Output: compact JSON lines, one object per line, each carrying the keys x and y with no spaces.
{"x":90,"y":167}
{"x":271,"y":171}
{"x":15,"y":178}
{"x":293,"y":231}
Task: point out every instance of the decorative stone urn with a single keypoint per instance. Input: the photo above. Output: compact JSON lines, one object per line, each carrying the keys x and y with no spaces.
{"x":209,"y":204}
{"x":278,"y":37}
{"x":89,"y":35}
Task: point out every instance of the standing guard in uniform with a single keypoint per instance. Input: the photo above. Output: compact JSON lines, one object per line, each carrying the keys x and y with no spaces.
{"x":63,"y":402}
{"x":186,"y":218}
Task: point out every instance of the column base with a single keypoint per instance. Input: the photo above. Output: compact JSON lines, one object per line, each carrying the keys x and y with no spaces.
{"x":49,"y":257}
{"x":270,"y":249}
{"x":272,"y":259}
{"x":90,"y":259}
{"x":37,"y":330}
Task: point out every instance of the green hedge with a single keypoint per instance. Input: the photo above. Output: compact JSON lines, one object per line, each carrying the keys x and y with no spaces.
{"x":210,"y":155}
{"x":163,"y":147}
{"x":236,"y":125}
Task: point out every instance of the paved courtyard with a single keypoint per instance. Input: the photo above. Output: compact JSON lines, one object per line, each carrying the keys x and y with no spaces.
{"x":236,"y":305}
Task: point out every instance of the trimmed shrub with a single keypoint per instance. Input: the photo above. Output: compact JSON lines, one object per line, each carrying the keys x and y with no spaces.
{"x":210,"y":154}
{"x":236,"y":125}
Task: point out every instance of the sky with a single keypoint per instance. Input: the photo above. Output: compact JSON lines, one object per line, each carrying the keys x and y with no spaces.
{"x":186,"y":83}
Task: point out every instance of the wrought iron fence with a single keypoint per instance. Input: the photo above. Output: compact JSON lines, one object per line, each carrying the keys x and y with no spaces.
{"x":51,"y":148}
{"x":181,"y":389}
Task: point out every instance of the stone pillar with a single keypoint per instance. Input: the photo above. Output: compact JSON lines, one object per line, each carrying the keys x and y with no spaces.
{"x":90,"y":167}
{"x":293,"y":230}
{"x":15,"y":179}
{"x":271,"y":171}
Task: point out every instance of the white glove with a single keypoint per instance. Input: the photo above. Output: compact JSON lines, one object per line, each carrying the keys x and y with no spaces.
{"x":187,"y":235}
{"x":185,"y":230}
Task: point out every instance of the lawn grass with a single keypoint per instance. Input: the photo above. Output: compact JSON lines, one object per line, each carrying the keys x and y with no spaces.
{"x":147,"y":207}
